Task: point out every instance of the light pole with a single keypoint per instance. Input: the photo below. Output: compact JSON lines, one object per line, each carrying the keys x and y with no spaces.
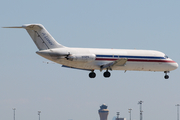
{"x":130,"y":113}
{"x":140,"y":103}
{"x":178,"y":111}
{"x":14,"y":112}
{"x":39,"y":114}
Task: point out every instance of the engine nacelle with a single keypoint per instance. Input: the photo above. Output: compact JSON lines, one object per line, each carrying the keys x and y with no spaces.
{"x":82,"y":57}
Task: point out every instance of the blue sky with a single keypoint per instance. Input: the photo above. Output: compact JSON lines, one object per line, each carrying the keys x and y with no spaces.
{"x":29,"y":85}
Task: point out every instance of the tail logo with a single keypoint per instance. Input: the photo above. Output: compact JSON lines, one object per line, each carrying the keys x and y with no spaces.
{"x":47,"y":38}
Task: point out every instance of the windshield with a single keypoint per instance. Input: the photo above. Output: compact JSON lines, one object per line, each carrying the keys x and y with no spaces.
{"x":165,"y":56}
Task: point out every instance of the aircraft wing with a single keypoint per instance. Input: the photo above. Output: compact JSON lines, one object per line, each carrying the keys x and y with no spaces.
{"x":119,"y":62}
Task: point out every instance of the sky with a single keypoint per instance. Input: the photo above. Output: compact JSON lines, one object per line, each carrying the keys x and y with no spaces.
{"x":29,"y":85}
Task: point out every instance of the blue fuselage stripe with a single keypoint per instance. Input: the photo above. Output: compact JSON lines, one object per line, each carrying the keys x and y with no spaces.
{"x":124,"y":56}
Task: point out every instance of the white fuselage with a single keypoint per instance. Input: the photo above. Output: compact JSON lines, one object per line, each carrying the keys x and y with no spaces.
{"x":92,"y":59}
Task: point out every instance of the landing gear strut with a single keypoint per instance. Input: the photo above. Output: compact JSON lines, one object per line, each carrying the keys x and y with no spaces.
{"x":107,"y":74}
{"x":92,"y":74}
{"x":166,"y":76}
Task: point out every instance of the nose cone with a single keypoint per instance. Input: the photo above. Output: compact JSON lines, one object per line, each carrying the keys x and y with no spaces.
{"x":175,"y":65}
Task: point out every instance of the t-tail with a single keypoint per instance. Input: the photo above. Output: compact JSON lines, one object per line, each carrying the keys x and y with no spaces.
{"x":40,"y":36}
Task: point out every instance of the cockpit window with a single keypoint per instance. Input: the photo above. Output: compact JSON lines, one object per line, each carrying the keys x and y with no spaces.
{"x":166,"y":56}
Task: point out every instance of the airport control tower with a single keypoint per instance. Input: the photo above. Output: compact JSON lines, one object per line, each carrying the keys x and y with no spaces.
{"x":103,"y":112}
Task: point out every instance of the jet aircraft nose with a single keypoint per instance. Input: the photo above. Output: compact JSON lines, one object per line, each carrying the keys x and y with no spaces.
{"x":176,"y":65}
{"x":172,"y":65}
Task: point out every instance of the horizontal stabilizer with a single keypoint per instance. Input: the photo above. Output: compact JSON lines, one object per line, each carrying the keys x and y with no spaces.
{"x":13,"y":27}
{"x":119,"y":62}
{"x":28,"y":26}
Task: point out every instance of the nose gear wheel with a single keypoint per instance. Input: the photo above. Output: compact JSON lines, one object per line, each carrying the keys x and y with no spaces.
{"x":166,"y":76}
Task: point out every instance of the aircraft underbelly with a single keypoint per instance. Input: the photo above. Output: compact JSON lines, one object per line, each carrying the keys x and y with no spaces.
{"x":131,"y":66}
{"x":146,"y":66}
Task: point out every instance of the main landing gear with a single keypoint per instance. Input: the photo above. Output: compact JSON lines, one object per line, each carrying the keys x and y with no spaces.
{"x":166,"y":76}
{"x":92,"y":74}
{"x":106,"y":74}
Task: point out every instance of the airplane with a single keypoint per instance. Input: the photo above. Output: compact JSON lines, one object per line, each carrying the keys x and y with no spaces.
{"x":92,"y":59}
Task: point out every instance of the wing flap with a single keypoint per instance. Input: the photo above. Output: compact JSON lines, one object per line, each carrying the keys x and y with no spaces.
{"x":76,"y":68}
{"x":119,"y":62}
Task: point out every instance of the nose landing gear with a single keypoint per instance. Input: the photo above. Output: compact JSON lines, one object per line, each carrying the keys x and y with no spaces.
{"x":166,"y":76}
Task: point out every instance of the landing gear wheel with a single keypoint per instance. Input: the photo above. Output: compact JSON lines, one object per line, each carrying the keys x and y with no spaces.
{"x":92,"y":74}
{"x":166,"y":76}
{"x":107,"y":74}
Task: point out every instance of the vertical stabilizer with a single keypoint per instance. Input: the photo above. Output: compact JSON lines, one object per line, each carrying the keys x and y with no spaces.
{"x":41,"y":37}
